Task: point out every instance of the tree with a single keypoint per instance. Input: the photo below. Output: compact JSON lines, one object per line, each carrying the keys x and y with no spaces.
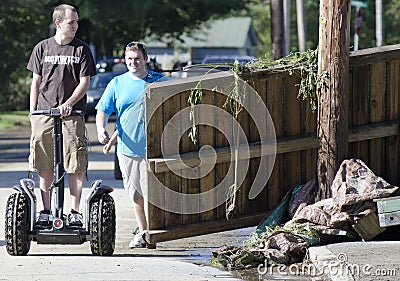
{"x":261,"y":15}
{"x":19,"y":21}
{"x":277,"y":29}
{"x":111,"y":29}
{"x":24,"y":22}
{"x":391,"y":27}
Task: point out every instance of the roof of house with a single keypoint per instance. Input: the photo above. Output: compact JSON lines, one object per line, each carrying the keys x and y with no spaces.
{"x":229,"y":32}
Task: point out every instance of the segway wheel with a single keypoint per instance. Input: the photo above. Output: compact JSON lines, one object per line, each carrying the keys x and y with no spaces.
{"x":102,"y":225}
{"x":17,"y":225}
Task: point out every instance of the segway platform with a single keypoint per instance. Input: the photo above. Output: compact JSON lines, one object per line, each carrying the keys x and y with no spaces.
{"x":20,"y":217}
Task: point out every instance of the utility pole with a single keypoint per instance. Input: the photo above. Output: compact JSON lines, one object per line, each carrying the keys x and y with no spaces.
{"x":357,"y":20}
{"x":379,"y":23}
{"x":333,"y":63}
{"x":301,"y":25}
{"x":286,"y":32}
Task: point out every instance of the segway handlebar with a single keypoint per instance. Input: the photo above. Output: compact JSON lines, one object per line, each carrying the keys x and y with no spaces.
{"x":55,"y":112}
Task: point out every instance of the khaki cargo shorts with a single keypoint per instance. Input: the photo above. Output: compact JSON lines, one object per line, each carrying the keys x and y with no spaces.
{"x":41,"y":157}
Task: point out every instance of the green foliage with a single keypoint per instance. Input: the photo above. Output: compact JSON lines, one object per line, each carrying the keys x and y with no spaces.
{"x":20,"y":23}
{"x":304,"y":230}
{"x":234,"y":101}
{"x":260,"y":14}
{"x":303,"y":64}
{"x":109,"y":25}
{"x":391,"y":10}
{"x":391,"y":22}
{"x":261,"y":17}
{"x":110,"y":28}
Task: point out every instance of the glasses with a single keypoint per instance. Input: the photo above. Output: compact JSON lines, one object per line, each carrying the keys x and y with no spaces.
{"x":136,"y":46}
{"x":139,"y":45}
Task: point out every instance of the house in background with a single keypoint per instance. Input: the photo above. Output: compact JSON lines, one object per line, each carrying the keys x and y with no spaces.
{"x":224,"y":37}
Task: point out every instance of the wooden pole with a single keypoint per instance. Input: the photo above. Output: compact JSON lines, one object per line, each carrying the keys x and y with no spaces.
{"x":333,"y":63}
{"x":379,"y":23}
{"x":277,"y":29}
{"x":286,"y":32}
{"x":301,"y":25}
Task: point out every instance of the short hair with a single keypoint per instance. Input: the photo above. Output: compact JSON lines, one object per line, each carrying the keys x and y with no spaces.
{"x":59,"y":11}
{"x":136,"y":46}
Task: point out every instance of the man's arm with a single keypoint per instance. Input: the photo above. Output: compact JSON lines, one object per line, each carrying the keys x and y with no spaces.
{"x":79,"y":92}
{"x":101,"y":123}
{"x":107,"y":147}
{"x":34,"y":94}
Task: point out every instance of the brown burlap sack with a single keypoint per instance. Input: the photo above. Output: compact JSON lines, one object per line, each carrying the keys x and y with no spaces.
{"x":355,"y":182}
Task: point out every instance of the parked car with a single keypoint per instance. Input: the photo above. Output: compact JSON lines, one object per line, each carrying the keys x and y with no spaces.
{"x":226,"y":59}
{"x":97,"y":86}
{"x":212,"y":64}
{"x":117,"y":64}
{"x":107,"y":63}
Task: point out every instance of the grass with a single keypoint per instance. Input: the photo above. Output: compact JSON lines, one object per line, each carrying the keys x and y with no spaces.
{"x":13,"y":119}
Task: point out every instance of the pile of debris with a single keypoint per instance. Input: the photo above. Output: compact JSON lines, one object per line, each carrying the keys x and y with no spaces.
{"x":298,"y":222}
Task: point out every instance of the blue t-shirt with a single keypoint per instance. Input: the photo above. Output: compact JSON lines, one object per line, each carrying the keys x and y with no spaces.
{"x":125,"y":95}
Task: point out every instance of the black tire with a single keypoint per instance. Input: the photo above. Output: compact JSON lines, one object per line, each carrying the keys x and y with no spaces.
{"x":17,"y":225}
{"x":102,"y":225}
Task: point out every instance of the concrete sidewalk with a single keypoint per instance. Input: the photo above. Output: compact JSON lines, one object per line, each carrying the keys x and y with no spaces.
{"x":183,"y":259}
{"x":360,"y":261}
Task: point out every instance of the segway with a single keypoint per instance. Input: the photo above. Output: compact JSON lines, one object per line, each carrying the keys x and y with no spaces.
{"x":99,"y":221}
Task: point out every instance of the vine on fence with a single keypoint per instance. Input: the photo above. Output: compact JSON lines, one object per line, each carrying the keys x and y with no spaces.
{"x":303,"y":64}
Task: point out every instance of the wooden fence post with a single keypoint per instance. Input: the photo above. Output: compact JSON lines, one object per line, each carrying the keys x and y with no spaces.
{"x":333,"y":63}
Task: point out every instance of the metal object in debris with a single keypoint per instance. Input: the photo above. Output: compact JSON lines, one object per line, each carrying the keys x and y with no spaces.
{"x":388,"y":211}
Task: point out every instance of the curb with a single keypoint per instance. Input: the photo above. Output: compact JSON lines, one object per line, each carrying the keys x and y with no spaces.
{"x":324,"y":260}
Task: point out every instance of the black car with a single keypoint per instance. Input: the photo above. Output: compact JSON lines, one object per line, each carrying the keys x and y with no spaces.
{"x":97,"y":86}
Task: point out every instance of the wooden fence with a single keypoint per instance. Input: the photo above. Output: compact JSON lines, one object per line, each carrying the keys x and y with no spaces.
{"x":374,"y":112}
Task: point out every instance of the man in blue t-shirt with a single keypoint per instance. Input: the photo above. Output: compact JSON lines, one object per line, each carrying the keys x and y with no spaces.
{"x":125,"y":95}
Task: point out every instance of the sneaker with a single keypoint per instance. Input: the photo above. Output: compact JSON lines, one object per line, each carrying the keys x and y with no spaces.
{"x":75,"y":219}
{"x":137,"y":241}
{"x":43,"y":219}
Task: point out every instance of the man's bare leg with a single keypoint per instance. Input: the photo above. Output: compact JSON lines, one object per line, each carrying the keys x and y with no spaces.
{"x":45,"y":181}
{"x":75,"y":182}
{"x":138,"y":205}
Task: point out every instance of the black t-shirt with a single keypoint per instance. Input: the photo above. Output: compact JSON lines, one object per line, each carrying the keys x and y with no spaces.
{"x":60,"y":66}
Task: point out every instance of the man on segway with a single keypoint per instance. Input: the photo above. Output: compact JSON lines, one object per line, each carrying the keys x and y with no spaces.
{"x":62,"y":66}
